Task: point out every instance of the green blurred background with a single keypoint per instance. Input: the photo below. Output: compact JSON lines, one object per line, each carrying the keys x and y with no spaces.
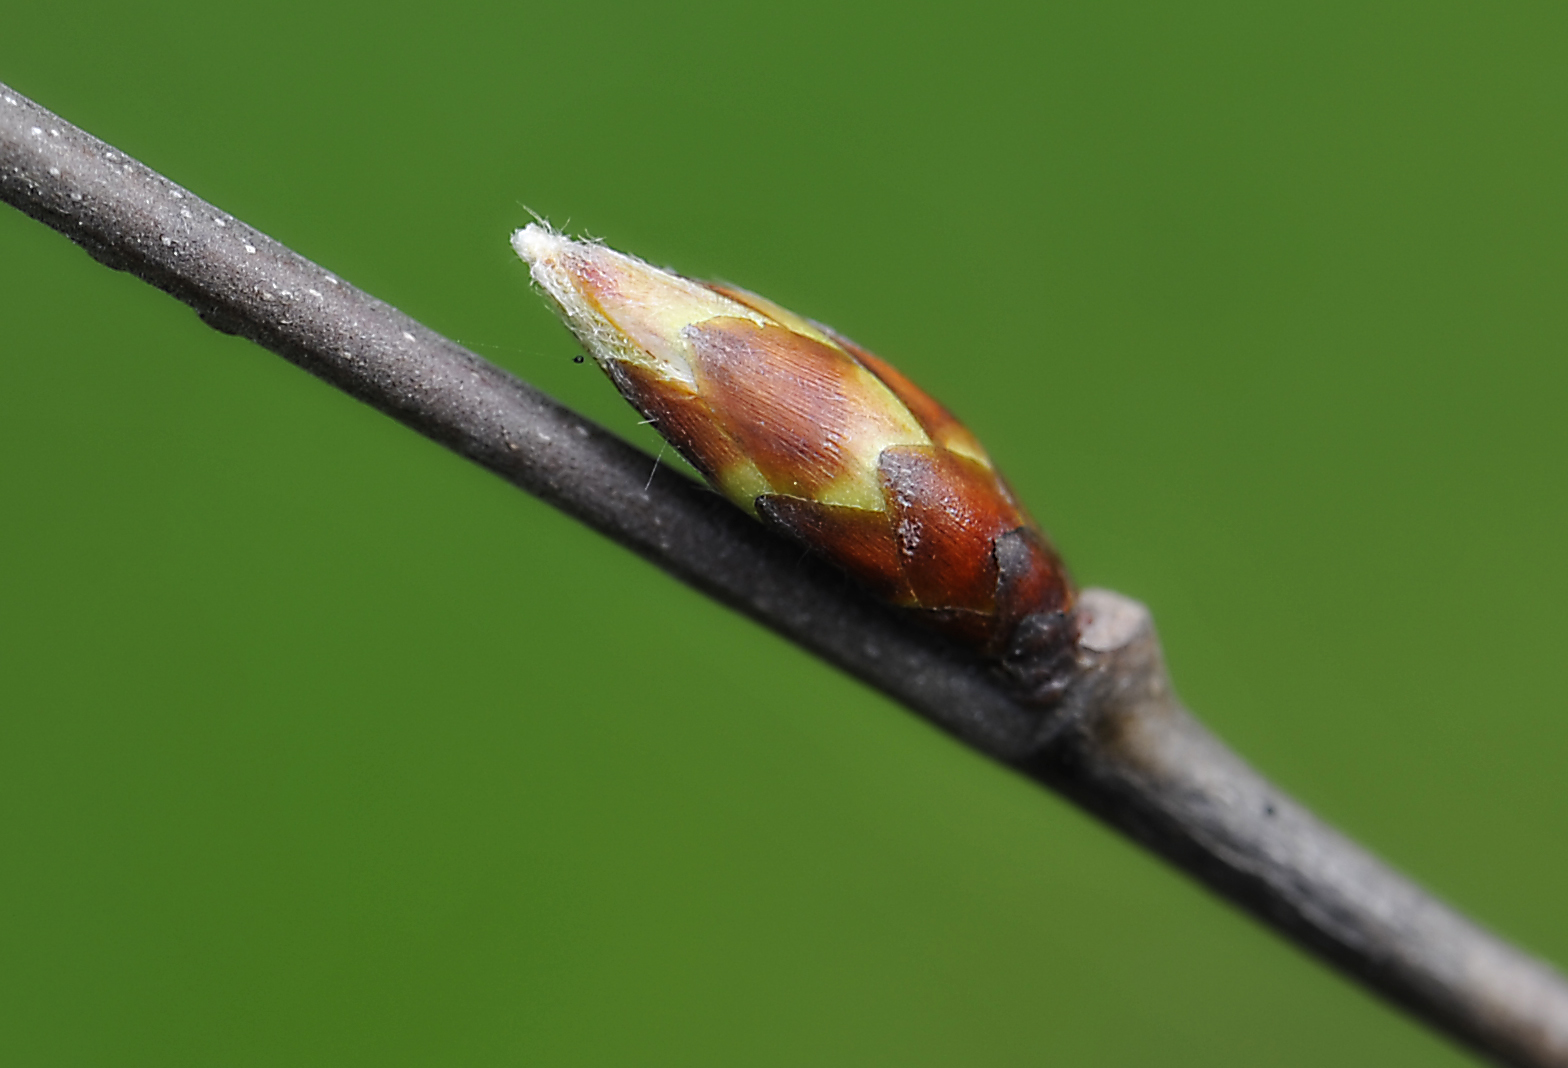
{"x":320,"y":746}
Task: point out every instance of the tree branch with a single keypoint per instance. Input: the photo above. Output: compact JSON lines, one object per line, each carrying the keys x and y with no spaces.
{"x":1120,"y":745}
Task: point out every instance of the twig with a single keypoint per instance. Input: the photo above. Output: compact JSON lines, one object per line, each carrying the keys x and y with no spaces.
{"x":1120,"y":745}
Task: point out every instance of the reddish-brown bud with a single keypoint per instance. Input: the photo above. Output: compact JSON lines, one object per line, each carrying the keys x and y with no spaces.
{"x":821,"y":439}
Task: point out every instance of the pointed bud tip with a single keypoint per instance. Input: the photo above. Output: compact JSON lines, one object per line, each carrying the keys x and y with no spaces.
{"x":536,"y":242}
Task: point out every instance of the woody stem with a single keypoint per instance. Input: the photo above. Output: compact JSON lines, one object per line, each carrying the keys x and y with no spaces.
{"x":1119,"y":745}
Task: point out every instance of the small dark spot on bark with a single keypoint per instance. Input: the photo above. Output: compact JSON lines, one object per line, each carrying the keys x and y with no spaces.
{"x":1268,"y":808}
{"x":221,"y":320}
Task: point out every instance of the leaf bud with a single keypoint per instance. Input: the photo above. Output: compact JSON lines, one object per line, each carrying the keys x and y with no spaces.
{"x":819,"y":438}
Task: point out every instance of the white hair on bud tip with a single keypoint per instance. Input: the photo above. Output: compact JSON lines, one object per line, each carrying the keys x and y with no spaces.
{"x":550,"y":257}
{"x":622,"y":309}
{"x":536,"y":242}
